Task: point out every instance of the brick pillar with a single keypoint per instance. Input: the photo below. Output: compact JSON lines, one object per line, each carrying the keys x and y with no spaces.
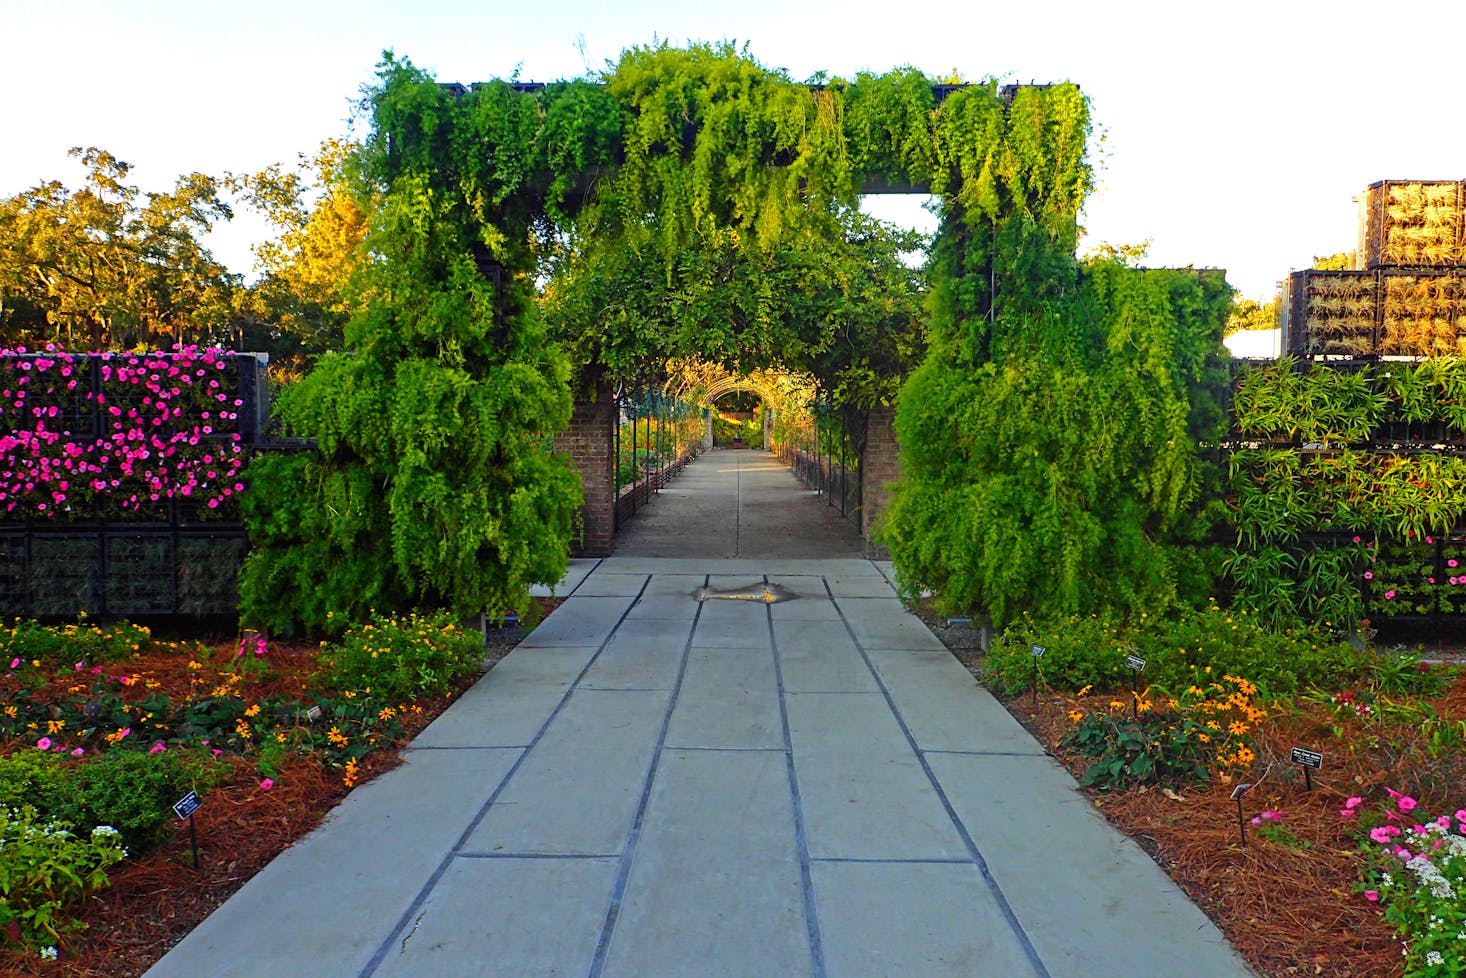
{"x":879,"y":467}
{"x":590,"y":441}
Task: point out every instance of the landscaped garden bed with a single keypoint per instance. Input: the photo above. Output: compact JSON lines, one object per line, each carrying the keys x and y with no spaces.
{"x":106,"y":727}
{"x":1322,"y":873}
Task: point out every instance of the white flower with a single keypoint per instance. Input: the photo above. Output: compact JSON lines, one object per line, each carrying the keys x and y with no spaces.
{"x":48,"y":954}
{"x":1434,"y":957}
{"x":104,"y":830}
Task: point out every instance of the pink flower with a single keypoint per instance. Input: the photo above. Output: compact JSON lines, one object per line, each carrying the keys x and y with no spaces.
{"x":1383,"y":833}
{"x":1369,"y":575}
{"x":1389,"y":595}
{"x":1461,"y":815}
{"x":1372,"y":896}
{"x":215,"y":751}
{"x":43,"y":744}
{"x":1406,"y":803}
{"x":1271,"y":816}
{"x":1354,"y":802}
{"x":78,"y":752}
{"x":157,"y":748}
{"x":1356,"y":539}
{"x":1347,"y":813}
{"x":267,"y":784}
{"x":14,"y":663}
{"x":1451,"y":562}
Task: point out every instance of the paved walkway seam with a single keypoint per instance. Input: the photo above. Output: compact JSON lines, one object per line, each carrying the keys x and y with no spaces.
{"x":536,"y":855}
{"x":914,"y":861}
{"x":977,"y":858}
{"x":628,"y":855}
{"x":801,"y":835}
{"x":414,"y":909}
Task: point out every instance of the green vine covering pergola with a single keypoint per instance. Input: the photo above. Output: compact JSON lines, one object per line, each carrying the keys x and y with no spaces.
{"x":690,"y":202}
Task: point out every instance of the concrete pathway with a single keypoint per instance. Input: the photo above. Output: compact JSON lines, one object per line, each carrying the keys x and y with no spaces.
{"x":739,"y":503}
{"x":653,"y":785}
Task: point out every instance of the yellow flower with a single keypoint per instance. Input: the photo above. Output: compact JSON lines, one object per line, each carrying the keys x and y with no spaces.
{"x":192,"y":664}
{"x":386,"y":713}
{"x":1083,"y":690}
{"x":1117,"y":704}
{"x":253,"y":711}
{"x":54,"y":726}
{"x":1238,"y":728}
{"x":1204,"y":739}
{"x":1076,"y":715}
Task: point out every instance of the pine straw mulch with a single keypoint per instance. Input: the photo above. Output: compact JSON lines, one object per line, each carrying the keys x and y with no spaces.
{"x":1288,"y":910}
{"x":154,"y":901}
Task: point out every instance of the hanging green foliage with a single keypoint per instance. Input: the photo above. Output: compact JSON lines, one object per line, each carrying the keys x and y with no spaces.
{"x":1044,"y":485}
{"x":431,"y":483}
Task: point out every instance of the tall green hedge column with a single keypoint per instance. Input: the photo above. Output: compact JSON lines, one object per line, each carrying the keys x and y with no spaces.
{"x":432,"y":482}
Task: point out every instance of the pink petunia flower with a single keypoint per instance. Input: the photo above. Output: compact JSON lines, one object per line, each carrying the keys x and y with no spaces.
{"x":1406,"y":803}
{"x":267,"y":784}
{"x":43,"y":744}
{"x":157,"y":748}
{"x":1372,"y":896}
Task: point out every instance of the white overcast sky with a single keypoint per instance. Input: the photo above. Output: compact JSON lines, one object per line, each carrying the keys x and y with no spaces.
{"x":1235,"y":135}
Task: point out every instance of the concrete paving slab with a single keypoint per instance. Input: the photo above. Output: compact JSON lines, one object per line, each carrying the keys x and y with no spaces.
{"x":715,"y":891}
{"x":586,"y":621}
{"x":507,"y":918}
{"x":674,"y":585}
{"x":944,"y":707}
{"x":1133,"y":920}
{"x":831,"y":666}
{"x":729,"y":699}
{"x":508,"y":706}
{"x":576,"y":572}
{"x":323,"y":906}
{"x":644,"y":653}
{"x":726,"y":624}
{"x":806,"y":607}
{"x":863,"y":586}
{"x":880,"y":623}
{"x":865,"y":794}
{"x":677,"y":607}
{"x":611,"y":585}
{"x":891,"y":920}
{"x":578,"y":788}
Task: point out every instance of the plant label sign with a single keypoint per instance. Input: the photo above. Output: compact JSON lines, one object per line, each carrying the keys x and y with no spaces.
{"x":1240,"y":790}
{"x":1135,"y":662}
{"x":1308,"y":758}
{"x":187,"y":805}
{"x":1037,"y":650}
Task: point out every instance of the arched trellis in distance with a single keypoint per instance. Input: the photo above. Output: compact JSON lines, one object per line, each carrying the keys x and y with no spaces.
{"x":702,"y":383}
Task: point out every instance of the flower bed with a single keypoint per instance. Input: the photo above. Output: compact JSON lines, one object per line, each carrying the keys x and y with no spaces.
{"x":1338,"y":880}
{"x":104,"y":728}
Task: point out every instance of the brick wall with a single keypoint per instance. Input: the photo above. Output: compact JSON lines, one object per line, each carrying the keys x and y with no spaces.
{"x":880,"y":466}
{"x":590,"y":442}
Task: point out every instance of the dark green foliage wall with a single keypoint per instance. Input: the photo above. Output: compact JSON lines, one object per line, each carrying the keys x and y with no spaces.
{"x":432,"y":483}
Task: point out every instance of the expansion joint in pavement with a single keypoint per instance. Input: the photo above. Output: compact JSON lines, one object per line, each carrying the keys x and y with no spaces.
{"x":414,"y":910}
{"x":801,"y":833}
{"x":976,"y":855}
{"x":628,"y":856}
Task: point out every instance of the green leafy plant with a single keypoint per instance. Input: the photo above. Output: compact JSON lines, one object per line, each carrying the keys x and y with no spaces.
{"x":133,"y":791}
{"x":394,"y":659}
{"x":1089,"y":650}
{"x":45,"y":870}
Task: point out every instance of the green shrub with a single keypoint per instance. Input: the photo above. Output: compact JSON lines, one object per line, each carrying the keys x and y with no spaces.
{"x":30,"y":777}
{"x":65,"y":645}
{"x":392,"y":660}
{"x":44,"y":868}
{"x":1090,"y":651}
{"x":133,"y":792}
